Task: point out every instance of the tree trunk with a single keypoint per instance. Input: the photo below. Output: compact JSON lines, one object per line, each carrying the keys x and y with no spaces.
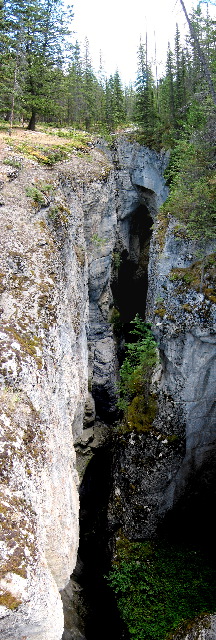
{"x":32,"y":121}
{"x":13,"y":99}
{"x":200,"y":54}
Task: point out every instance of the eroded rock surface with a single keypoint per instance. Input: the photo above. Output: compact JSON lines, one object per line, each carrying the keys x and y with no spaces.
{"x":182,"y":307}
{"x":44,"y":317}
{"x":64,"y":257}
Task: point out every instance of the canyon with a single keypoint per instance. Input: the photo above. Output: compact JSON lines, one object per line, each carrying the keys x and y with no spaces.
{"x":84,"y":248}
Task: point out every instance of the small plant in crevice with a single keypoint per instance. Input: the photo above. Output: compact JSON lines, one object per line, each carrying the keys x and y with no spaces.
{"x":115,"y":320}
{"x":117,"y":260}
{"x":97,"y":240}
{"x":39,"y":193}
{"x":136,"y":402}
{"x":161,"y":588}
{"x":13,"y":162}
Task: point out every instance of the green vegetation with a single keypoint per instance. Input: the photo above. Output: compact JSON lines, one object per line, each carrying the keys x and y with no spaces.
{"x":160,"y":588}
{"x":12,"y":162}
{"x":45,"y":75}
{"x":97,"y":240}
{"x":201,"y":276}
{"x":39,"y":192}
{"x":115,"y":320}
{"x":138,"y":405}
{"x":192,"y":198}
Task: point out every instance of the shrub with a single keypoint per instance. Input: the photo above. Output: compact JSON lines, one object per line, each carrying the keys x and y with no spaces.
{"x":136,"y":370}
{"x":159,"y":588}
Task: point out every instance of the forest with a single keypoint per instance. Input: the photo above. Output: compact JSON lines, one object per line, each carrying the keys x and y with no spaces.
{"x":45,"y":77}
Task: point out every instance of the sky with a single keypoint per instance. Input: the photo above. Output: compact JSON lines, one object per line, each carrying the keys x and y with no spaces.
{"x":115,"y":27}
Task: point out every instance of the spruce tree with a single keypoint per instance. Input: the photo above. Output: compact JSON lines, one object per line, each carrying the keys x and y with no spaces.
{"x":145,"y":105}
{"x":36,"y":32}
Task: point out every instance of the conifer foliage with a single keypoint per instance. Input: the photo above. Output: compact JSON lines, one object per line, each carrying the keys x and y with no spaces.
{"x":45,"y":75}
{"x":34,"y":37}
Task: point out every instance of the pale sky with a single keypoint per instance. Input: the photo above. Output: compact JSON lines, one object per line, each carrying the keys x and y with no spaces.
{"x":115,"y":26}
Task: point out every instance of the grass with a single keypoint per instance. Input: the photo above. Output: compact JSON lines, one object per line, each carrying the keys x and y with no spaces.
{"x":161,"y":588}
{"x":47,"y":145}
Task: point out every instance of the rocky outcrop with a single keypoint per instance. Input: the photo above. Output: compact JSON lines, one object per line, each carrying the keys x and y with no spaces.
{"x":153,"y":470}
{"x":44,"y":317}
{"x":75,"y":245}
{"x":182,"y":307}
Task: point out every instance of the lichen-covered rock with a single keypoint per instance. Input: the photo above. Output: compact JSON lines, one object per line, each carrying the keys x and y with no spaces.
{"x":204,"y":628}
{"x":182,"y":307}
{"x":44,"y":312}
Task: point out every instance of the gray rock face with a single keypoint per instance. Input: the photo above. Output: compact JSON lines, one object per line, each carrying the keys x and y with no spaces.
{"x":202,"y":629}
{"x":44,"y":313}
{"x":139,"y":180}
{"x":56,"y":294}
{"x":140,"y":177}
{"x":184,"y":321}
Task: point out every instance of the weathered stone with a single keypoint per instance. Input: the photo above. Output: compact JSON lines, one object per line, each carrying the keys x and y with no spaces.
{"x":56,"y":278}
{"x":204,"y":628}
{"x":184,"y":325}
{"x":44,"y":383}
{"x":89,"y":416}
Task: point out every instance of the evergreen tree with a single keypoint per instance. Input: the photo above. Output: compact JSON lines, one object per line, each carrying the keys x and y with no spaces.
{"x":36,"y":32}
{"x":200,"y":54}
{"x":88,"y":89}
{"x":145,"y":105}
{"x":74,"y":88}
{"x":180,"y":75}
{"x":129,"y":103}
{"x":119,"y":114}
{"x":115,"y":102}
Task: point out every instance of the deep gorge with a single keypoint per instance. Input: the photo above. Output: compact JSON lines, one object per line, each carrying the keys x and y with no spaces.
{"x":112,"y":261}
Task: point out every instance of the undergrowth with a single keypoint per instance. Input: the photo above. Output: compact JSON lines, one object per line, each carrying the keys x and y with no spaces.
{"x":161,"y":589}
{"x":136,"y":402}
{"x":52,"y":152}
{"x":192,"y":179}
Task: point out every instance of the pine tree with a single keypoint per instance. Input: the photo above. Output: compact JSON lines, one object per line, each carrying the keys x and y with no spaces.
{"x":200,"y":53}
{"x":119,"y":114}
{"x":88,"y":89}
{"x":74,"y":90}
{"x":145,"y":106}
{"x":36,"y":31}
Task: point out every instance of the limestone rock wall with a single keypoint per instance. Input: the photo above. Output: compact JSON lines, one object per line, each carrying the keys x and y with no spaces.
{"x":58,"y":361}
{"x":182,"y":307}
{"x":152,"y":470}
{"x":44,"y":377}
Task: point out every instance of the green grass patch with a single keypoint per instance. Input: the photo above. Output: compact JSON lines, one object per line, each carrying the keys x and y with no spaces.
{"x":49,"y":154}
{"x":160,"y":588}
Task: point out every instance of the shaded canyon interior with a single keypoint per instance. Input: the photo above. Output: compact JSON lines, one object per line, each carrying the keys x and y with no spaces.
{"x":71,"y":284}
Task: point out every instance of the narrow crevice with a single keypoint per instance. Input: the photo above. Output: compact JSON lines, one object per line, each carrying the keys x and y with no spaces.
{"x":96,"y":615}
{"x":130,"y":280}
{"x":95,"y":610}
